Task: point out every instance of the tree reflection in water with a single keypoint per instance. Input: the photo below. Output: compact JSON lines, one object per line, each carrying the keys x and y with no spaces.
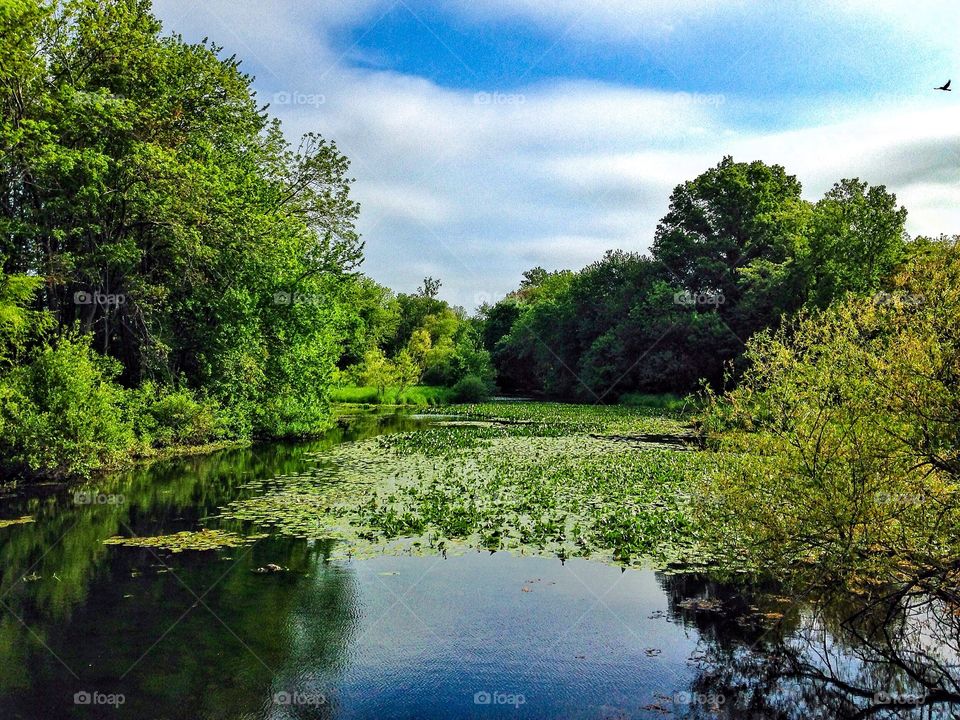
{"x":766,"y":656}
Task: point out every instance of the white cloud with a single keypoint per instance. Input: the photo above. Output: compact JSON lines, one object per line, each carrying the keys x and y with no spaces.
{"x":477,"y":189}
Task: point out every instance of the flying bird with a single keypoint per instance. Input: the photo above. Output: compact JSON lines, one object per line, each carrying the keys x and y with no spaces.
{"x":944,"y":87}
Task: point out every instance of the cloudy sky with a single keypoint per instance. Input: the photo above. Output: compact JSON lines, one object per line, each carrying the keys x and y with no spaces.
{"x":490,"y":136}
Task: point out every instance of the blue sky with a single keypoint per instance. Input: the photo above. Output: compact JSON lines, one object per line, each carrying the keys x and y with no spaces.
{"x":756,"y":52}
{"x":494,"y":135}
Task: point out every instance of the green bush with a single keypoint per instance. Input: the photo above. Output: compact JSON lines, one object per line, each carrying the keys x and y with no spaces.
{"x":471,"y":389}
{"x":164,"y":417}
{"x":61,"y":414}
{"x":423,"y":395}
{"x":842,"y":459}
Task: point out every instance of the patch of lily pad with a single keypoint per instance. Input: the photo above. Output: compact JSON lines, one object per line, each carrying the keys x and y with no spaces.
{"x":536,"y":478}
{"x":205,"y":539}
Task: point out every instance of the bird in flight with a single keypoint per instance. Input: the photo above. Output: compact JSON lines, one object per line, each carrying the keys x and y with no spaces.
{"x":944,"y":87}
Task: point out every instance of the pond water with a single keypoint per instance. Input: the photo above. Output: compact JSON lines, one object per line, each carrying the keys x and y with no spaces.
{"x":279,"y":629}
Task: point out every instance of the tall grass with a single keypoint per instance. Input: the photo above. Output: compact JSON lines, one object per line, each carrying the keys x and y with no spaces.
{"x":419,"y":395}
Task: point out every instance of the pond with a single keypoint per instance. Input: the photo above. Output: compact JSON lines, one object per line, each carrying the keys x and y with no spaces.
{"x":287,"y":627}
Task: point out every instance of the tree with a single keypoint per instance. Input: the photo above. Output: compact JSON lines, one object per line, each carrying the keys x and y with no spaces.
{"x":406,"y":371}
{"x":19,"y":324}
{"x":533,"y":277}
{"x":737,"y":252}
{"x":730,"y":237}
{"x":727,"y":218}
{"x":420,"y":346}
{"x":845,"y":432}
{"x":377,"y":371}
{"x":856,"y":239}
{"x":168,"y":215}
{"x":430,"y":288}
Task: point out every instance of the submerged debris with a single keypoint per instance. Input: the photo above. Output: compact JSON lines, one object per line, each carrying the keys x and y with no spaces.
{"x":16,"y":521}
{"x":701,"y":604}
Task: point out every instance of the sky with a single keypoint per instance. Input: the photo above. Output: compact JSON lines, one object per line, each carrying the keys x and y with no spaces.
{"x":487,"y":137}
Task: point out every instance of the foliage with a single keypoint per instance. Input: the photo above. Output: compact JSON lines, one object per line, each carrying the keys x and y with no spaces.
{"x":422,"y":339}
{"x":736,"y":252}
{"x":163,"y":416}
{"x":855,"y":241}
{"x":178,"y":542}
{"x":150,"y":200}
{"x":377,"y":372}
{"x":843,"y":435}
{"x":18,"y":322}
{"x":470,"y":388}
{"x":62,"y":414}
{"x":419,"y":395}
{"x":563,"y":480}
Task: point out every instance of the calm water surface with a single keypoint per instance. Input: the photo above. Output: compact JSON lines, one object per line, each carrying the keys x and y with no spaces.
{"x":88,"y":630}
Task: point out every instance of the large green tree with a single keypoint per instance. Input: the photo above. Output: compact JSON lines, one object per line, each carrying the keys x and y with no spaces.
{"x":737,"y":251}
{"x":856,"y":239}
{"x":167,"y":213}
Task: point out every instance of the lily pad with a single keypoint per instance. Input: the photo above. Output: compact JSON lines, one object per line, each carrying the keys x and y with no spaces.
{"x":178,"y":542}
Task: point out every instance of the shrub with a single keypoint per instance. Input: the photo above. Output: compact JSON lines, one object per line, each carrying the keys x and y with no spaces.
{"x":164,"y":416}
{"x":845,"y":435}
{"x":61,"y":414}
{"x":471,"y":389}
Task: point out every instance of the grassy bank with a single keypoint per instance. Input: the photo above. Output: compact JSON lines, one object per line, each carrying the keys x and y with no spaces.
{"x":419,"y":395}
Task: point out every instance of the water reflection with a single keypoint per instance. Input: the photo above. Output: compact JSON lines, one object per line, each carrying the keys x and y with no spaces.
{"x":777,"y":657}
{"x":204,"y":635}
{"x":66,"y":598}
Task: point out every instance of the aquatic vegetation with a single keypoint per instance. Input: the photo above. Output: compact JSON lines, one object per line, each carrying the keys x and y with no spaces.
{"x":538,"y":477}
{"x":605,"y":419}
{"x":178,"y":542}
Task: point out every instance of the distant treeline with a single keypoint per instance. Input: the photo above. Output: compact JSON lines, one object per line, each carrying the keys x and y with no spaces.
{"x":738,"y":250}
